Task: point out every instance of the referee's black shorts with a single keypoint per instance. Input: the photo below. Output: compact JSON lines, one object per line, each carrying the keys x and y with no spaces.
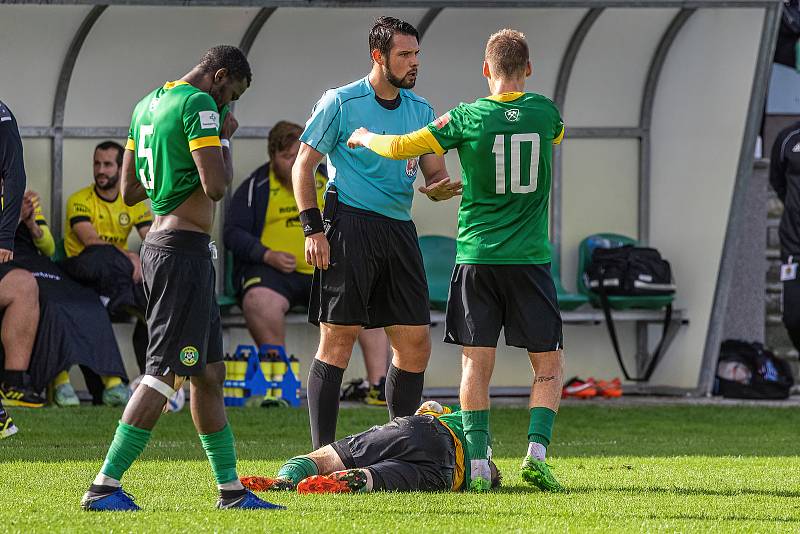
{"x":521,"y":299}
{"x":376,"y":276}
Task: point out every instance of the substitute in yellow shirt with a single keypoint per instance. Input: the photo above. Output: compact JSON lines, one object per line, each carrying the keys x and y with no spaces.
{"x":112,"y":220}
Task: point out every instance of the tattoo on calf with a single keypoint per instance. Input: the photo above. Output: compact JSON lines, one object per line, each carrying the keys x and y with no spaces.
{"x":542,"y":379}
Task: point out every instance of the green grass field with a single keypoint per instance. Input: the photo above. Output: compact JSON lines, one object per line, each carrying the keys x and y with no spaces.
{"x":676,"y":468}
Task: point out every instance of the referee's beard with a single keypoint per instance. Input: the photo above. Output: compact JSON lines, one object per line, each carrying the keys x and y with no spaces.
{"x":406,"y":82}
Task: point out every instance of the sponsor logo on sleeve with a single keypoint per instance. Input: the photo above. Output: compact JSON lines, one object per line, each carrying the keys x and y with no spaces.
{"x":209,"y":120}
{"x":442,"y":121}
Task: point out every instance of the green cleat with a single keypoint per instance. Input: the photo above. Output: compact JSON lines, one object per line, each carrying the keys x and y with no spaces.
{"x":116,"y":396}
{"x":537,"y":473}
{"x":64,"y":396}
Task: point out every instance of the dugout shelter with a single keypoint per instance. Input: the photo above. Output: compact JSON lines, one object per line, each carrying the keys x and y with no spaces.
{"x":662,"y":101}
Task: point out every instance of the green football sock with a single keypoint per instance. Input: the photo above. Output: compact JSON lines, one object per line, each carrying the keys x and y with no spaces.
{"x":298,"y":468}
{"x":540,"y":429}
{"x":221,"y":452}
{"x":128,"y":444}
{"x":476,"y":430}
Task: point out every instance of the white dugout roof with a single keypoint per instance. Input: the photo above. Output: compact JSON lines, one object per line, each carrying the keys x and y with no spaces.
{"x":661,"y":98}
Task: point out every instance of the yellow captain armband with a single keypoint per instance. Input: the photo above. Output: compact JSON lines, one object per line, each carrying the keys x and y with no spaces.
{"x":405,"y":146}
{"x":130,"y":145}
{"x":202,"y":142}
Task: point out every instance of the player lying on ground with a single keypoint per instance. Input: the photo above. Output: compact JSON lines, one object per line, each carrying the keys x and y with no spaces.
{"x":421,"y":452}
{"x":502,"y":275}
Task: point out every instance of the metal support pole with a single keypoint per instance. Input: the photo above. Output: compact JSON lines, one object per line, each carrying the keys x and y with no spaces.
{"x":646,"y":119}
{"x":559,"y":96}
{"x":59,"y":105}
{"x":769,"y":35}
{"x":427,"y":20}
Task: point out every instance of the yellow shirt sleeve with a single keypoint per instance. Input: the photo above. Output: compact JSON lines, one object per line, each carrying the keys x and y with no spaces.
{"x":406,"y":146}
{"x":46,"y":244}
{"x":557,"y":140}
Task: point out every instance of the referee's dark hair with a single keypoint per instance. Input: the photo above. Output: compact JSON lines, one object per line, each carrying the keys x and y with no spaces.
{"x":380,"y":36}
{"x":105,"y":145}
{"x":227,"y":57}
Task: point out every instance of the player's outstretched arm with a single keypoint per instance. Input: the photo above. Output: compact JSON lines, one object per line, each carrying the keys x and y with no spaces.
{"x":132,"y":189}
{"x":305,"y":194}
{"x":406,"y":146}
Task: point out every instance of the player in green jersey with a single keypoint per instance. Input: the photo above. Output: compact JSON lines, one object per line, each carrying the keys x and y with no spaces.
{"x":178,"y":155}
{"x":502,"y":275}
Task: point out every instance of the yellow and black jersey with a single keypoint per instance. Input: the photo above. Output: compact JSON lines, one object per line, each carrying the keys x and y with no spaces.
{"x":282,"y":229}
{"x":112,"y":220}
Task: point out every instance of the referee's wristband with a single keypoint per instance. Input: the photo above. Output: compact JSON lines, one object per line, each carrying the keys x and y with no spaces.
{"x":311,"y":219}
{"x":226,"y":143}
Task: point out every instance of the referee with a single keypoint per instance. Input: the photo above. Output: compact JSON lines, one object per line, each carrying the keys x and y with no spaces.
{"x":369,"y":270}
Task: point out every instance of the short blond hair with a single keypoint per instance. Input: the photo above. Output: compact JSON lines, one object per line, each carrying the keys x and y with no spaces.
{"x":507,"y":53}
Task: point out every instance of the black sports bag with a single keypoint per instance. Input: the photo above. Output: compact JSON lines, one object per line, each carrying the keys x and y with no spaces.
{"x":629,"y":270}
{"x":634,"y":272}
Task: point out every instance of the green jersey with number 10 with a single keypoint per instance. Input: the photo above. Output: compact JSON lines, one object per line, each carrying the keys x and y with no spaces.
{"x":505,"y":145}
{"x":167,"y":126}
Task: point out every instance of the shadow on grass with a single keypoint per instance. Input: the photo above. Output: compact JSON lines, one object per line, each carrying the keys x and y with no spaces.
{"x":686,"y":491}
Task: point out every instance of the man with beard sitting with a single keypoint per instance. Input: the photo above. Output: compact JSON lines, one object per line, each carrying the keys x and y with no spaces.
{"x":98,"y":224}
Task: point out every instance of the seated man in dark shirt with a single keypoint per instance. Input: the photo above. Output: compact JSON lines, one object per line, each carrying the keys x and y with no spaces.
{"x":19,"y":296}
{"x":74,"y":327}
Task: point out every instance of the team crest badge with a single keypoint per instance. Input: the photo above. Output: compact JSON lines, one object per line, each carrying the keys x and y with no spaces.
{"x":189,"y":356}
{"x":124,"y":219}
{"x":411,"y":167}
{"x":512,"y":115}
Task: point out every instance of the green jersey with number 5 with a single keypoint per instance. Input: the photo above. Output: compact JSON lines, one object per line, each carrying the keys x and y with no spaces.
{"x":167,"y":126}
{"x":505,"y":145}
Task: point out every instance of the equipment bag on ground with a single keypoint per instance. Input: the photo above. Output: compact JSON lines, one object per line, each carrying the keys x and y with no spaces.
{"x":631,"y":272}
{"x":749,"y":371}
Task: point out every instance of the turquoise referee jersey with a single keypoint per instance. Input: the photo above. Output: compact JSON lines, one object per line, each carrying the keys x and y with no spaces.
{"x":364,"y":179}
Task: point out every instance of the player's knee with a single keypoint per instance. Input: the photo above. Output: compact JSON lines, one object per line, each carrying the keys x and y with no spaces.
{"x":23,"y":286}
{"x":263,"y":302}
{"x":212,"y":376}
{"x":548,"y":362}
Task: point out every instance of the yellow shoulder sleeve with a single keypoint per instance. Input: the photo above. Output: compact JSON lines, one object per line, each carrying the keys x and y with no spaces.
{"x":406,"y":146}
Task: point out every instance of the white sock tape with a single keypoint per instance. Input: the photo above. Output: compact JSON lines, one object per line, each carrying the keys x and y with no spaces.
{"x":158,"y":385}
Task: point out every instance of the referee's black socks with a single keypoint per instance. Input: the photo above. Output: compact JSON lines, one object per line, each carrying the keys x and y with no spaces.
{"x":324,"y":383}
{"x":403,"y":391}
